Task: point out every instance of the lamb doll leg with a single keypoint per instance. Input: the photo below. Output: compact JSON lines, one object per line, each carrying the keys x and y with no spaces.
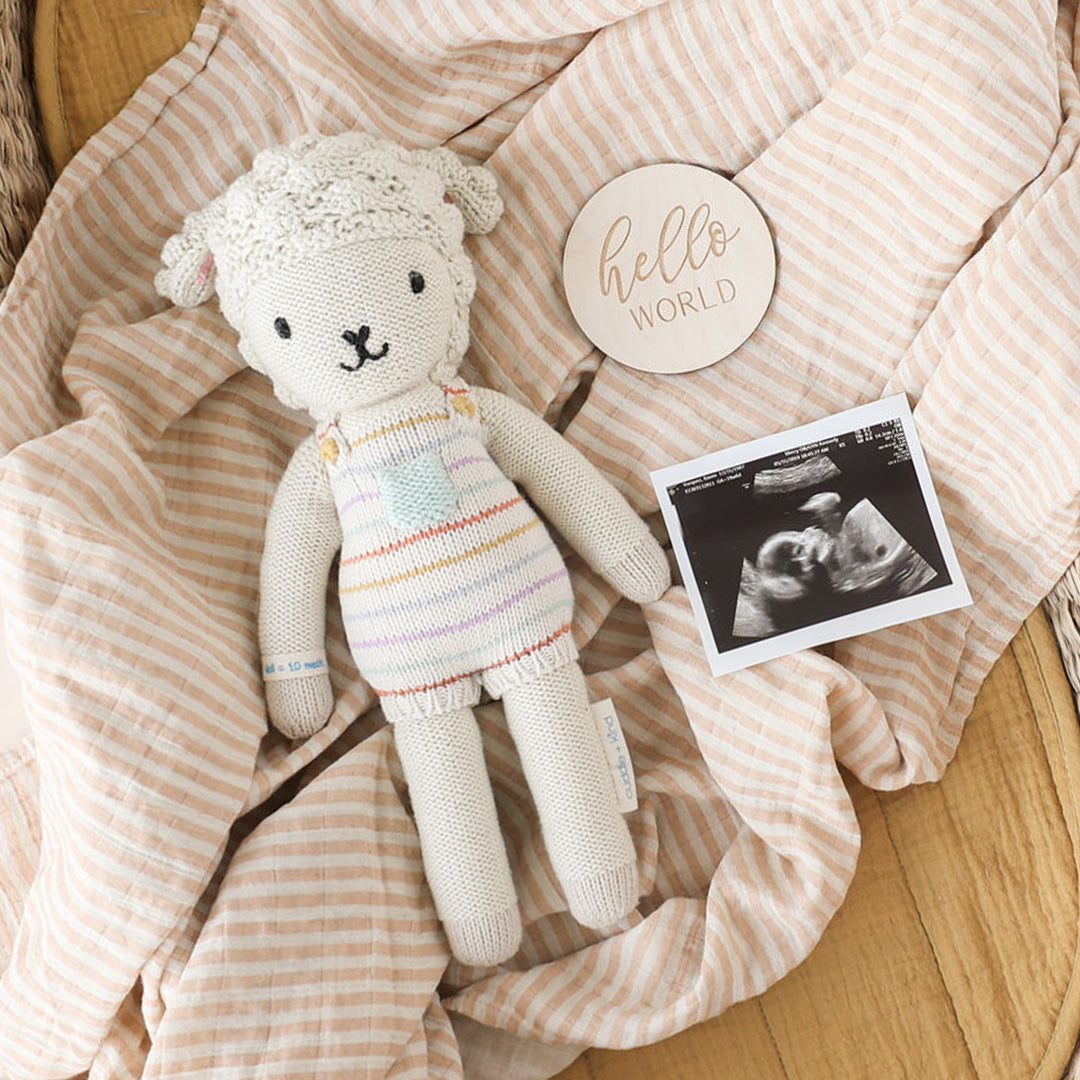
{"x":586,"y":836}
{"x":464,"y":855}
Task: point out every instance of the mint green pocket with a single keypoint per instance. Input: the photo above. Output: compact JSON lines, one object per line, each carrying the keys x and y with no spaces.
{"x":417,"y":492}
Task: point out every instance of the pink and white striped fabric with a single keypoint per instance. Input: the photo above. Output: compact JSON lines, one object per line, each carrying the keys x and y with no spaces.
{"x":183,"y":894}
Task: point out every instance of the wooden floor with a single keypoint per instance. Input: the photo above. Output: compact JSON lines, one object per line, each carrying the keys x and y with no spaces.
{"x":952,"y":956}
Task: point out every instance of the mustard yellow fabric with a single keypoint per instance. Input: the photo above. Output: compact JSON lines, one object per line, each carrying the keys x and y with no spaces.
{"x":90,"y":56}
{"x":955,"y":954}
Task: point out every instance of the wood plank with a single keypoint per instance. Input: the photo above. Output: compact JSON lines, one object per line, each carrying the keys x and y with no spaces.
{"x":954,"y":953}
{"x":988,"y":857}
{"x":869,"y":1001}
{"x":735,"y":1045}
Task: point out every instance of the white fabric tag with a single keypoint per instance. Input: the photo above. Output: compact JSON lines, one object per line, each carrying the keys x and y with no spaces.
{"x":617,"y":752}
{"x":293,"y":665}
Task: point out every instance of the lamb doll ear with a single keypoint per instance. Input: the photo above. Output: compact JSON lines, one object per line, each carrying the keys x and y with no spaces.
{"x":189,"y":274}
{"x":472,"y":188}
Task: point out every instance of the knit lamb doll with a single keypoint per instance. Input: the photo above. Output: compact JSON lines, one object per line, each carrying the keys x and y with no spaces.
{"x":340,"y":262}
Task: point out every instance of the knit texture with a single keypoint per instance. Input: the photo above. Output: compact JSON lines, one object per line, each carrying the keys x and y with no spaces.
{"x":302,"y":537}
{"x":321,"y":193}
{"x":585,"y":509}
{"x":465,"y":859}
{"x":449,"y":582}
{"x":448,"y":578}
{"x":586,"y":837}
{"x":356,"y":325}
{"x":340,"y":262}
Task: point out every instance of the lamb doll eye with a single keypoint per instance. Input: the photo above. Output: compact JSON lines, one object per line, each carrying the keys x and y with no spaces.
{"x":282,"y":327}
{"x":416,"y":281}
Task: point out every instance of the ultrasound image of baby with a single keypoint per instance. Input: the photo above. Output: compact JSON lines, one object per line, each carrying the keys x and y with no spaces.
{"x":814,"y":535}
{"x":836,"y":563}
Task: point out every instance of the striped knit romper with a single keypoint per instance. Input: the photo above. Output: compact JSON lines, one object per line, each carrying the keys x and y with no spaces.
{"x":448,"y":579}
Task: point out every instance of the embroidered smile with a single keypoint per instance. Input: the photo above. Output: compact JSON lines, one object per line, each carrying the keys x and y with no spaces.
{"x":358,"y":340}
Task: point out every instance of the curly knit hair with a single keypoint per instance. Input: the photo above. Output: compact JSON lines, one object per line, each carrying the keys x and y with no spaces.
{"x":324,"y":192}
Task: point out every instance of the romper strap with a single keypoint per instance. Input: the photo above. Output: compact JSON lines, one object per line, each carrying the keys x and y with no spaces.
{"x":460,"y":402}
{"x":332,"y":443}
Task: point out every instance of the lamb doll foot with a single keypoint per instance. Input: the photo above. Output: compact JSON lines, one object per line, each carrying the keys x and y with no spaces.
{"x":485,"y":940}
{"x":602,"y":899}
{"x":464,"y":854}
{"x":587,"y":838}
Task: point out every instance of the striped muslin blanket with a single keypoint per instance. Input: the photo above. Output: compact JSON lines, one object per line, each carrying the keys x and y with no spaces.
{"x":185,"y":895}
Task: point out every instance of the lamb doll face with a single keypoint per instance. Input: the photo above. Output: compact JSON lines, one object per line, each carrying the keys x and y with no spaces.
{"x":351,"y":326}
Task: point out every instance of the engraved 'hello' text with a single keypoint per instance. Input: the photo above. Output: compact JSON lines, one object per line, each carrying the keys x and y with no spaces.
{"x":682,"y":241}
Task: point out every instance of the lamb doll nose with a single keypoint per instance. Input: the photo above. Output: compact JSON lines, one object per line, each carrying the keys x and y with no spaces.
{"x":358,"y":338}
{"x":359,"y":342}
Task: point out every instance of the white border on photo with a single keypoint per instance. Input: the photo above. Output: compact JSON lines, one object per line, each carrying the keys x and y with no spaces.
{"x":878,"y":617}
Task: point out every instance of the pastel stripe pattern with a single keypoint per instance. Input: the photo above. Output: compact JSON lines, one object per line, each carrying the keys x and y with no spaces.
{"x":917,"y":163}
{"x":434,"y":530}
{"x":365,"y":613}
{"x":466,"y":624}
{"x":421,"y":653}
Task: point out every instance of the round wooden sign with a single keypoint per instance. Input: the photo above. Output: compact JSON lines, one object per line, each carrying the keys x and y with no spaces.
{"x":669,"y":268}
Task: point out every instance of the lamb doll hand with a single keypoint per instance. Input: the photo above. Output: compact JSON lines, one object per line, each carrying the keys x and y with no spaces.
{"x":642,"y":574}
{"x":300,"y":707}
{"x":593,"y":517}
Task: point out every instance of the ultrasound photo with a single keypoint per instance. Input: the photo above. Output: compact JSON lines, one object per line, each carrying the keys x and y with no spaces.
{"x":816,"y":534}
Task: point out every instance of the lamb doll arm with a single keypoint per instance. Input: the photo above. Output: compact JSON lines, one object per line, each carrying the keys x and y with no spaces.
{"x":302,"y":536}
{"x":586,"y":509}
